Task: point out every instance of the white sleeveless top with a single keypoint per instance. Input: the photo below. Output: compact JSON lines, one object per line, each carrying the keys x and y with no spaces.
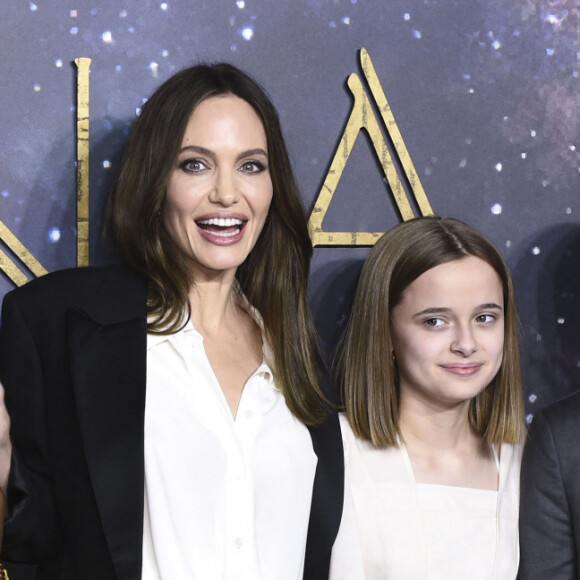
{"x":411,"y":531}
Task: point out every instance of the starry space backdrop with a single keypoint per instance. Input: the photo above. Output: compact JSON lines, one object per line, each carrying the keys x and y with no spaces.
{"x":485,"y":94}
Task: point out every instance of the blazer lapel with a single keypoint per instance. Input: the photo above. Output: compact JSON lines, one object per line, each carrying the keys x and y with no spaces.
{"x":327,"y":498}
{"x":108,"y":368}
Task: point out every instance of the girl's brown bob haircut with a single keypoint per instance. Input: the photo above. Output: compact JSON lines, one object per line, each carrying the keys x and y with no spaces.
{"x":366,"y":372}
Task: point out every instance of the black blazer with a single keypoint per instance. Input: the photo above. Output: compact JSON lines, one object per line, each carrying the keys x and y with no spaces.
{"x":550,"y":495}
{"x":73,"y":363}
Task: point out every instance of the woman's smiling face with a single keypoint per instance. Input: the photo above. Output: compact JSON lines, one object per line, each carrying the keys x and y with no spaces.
{"x":220,"y":190}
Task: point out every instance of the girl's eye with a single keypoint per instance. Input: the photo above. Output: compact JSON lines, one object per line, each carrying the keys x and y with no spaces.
{"x":485,"y":318}
{"x":193,"y":165}
{"x":252,"y":167}
{"x":434,"y":322}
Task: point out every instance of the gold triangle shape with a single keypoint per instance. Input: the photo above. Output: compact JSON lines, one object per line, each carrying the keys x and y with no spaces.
{"x":362,"y":117}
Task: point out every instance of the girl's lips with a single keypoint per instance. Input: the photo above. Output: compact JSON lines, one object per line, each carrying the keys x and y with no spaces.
{"x":462,"y":370}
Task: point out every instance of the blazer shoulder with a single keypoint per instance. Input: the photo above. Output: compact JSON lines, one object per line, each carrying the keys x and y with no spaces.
{"x":106,"y":292}
{"x":566,"y":409}
{"x":561,"y":419}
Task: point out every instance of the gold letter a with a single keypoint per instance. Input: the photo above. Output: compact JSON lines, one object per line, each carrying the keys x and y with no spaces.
{"x":363,"y":117}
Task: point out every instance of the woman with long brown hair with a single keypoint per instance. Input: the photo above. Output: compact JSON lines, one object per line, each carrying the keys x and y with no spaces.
{"x":168,"y":416}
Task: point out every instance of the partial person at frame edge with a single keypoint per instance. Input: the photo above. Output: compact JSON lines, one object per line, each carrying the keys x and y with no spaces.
{"x":550,"y":494}
{"x":433,"y":428}
{"x":229,"y":464}
{"x":5,"y":453}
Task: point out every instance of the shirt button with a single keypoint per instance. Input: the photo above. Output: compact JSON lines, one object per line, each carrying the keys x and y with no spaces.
{"x":249,"y":414}
{"x":238,"y":543}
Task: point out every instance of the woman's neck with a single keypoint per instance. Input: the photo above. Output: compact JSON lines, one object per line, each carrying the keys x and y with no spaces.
{"x":232,"y":340}
{"x":213,"y":304}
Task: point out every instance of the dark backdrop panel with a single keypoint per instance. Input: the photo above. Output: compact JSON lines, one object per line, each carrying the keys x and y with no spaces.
{"x":485,"y":95}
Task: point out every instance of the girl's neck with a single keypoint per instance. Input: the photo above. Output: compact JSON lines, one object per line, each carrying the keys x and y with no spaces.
{"x":444,"y":449}
{"x":433,"y":425}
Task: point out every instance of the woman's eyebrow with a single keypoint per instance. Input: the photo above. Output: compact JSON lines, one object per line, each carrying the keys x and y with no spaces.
{"x":210,"y":153}
{"x":197,"y":149}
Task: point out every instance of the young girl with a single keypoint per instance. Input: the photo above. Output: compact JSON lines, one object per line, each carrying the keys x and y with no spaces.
{"x":434,"y":413}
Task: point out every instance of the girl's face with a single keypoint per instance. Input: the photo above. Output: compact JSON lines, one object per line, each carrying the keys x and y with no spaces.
{"x":448,"y":333}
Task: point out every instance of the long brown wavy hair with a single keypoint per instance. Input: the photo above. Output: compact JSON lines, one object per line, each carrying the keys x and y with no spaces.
{"x":273,"y":277}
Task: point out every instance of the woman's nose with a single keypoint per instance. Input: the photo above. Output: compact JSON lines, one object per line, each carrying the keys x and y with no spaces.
{"x":225,"y":190}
